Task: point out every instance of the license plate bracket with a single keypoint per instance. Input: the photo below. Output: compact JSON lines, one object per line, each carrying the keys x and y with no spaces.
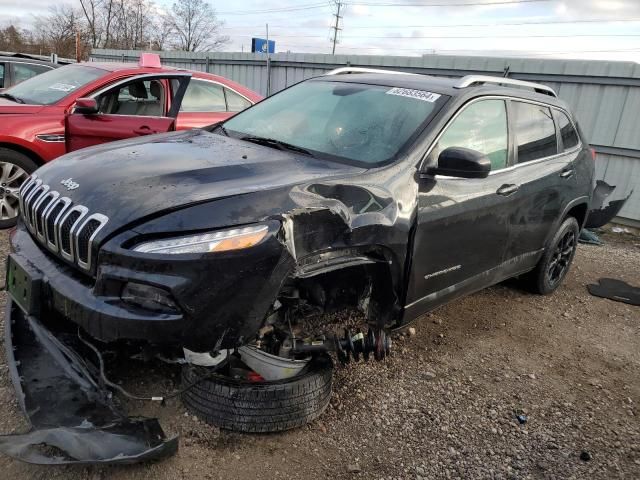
{"x":24,"y":284}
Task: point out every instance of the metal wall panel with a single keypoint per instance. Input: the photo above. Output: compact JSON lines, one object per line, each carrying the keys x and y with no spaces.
{"x":604,"y":96}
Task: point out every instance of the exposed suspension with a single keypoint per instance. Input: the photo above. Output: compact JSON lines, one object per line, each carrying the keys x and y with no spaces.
{"x":352,"y":346}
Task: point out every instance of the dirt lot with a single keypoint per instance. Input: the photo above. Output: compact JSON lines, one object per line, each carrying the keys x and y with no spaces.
{"x":445,"y":405}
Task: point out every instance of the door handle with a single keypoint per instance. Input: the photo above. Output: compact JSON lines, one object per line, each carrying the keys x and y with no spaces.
{"x":507,"y":189}
{"x":567,"y":172}
{"x":144,"y":130}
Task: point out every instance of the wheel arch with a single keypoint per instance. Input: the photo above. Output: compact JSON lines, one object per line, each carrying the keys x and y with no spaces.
{"x":37,"y":159}
{"x":372,"y":271}
{"x":578,"y":206}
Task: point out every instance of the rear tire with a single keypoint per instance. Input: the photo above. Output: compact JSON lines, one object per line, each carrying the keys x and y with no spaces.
{"x":260,"y":407}
{"x":15,"y":168}
{"x":556,"y":261}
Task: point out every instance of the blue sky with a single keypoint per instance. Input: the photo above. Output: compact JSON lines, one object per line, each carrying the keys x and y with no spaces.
{"x":589,"y":28}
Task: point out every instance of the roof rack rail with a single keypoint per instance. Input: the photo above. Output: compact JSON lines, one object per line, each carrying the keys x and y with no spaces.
{"x":343,"y":70}
{"x":469,"y":80}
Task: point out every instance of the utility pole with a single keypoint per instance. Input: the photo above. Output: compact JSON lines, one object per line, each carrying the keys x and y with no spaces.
{"x":336,"y":28}
{"x":268,"y":64}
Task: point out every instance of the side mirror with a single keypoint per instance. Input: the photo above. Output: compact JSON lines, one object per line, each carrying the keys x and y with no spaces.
{"x":461,"y":162}
{"x":86,"y":106}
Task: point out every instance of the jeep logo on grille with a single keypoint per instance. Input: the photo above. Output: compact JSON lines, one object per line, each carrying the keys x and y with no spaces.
{"x":70,"y":184}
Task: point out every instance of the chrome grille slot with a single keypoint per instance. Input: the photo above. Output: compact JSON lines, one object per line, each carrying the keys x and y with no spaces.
{"x":65,"y":229}
{"x":52,"y":219}
{"x":29,"y":199}
{"x":39,"y":212}
{"x":84,"y":238}
{"x":25,"y":188}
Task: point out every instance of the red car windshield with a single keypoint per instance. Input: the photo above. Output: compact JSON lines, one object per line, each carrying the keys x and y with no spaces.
{"x":54,"y":85}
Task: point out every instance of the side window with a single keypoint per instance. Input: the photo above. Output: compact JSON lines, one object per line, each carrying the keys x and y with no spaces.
{"x":535,"y":131}
{"x":481,"y":126}
{"x":567,"y":132}
{"x":24,"y":71}
{"x":203,"y":97}
{"x":144,"y":98}
{"x":235,"y":102}
{"x":1,"y":75}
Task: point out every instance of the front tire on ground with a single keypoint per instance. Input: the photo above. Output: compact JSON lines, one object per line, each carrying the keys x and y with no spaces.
{"x":557,"y":259}
{"x":15,"y":168}
{"x":260,"y":407}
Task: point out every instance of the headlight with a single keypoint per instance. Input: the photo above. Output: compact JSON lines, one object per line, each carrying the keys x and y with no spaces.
{"x":221,"y":241}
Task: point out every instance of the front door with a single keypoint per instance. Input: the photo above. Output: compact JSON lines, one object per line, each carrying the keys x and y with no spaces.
{"x":463,"y":224}
{"x":135,"y":107}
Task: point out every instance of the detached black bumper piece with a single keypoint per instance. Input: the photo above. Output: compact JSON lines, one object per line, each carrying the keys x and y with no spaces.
{"x":73,"y":418}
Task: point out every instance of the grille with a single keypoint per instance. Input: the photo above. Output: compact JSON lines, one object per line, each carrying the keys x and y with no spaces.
{"x":64,"y":228}
{"x":83,"y":238}
{"x":65,"y":231}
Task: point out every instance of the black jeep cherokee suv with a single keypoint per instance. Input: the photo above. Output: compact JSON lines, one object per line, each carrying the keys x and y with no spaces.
{"x":391,"y":192}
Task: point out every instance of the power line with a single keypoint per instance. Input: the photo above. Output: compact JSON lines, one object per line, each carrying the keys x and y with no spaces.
{"x":487,"y":37}
{"x":469,"y":4}
{"x":451,"y":25}
{"x":309,"y":6}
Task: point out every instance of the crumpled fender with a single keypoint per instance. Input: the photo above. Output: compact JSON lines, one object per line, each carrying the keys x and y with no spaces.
{"x":73,"y":418}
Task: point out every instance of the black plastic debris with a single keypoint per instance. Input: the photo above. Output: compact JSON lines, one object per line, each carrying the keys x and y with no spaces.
{"x":585,"y":456}
{"x":73,"y":418}
{"x":601,"y":214}
{"x":615,"y":290}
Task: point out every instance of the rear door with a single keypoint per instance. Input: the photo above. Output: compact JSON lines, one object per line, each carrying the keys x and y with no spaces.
{"x":544,"y":175}
{"x":138,"y":106}
{"x":207,"y":102}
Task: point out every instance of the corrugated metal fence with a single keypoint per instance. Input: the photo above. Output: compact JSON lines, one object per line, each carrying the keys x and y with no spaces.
{"x":605,"y":96}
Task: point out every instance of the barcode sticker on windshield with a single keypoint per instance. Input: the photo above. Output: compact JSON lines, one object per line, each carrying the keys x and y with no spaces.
{"x":63,"y":87}
{"x":417,"y":94}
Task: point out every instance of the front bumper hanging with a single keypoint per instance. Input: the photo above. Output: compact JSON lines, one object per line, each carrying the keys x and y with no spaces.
{"x":73,"y":418}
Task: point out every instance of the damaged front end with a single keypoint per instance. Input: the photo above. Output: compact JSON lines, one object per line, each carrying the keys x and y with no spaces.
{"x":73,"y":417}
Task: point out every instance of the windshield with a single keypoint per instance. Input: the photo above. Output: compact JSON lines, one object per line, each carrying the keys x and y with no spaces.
{"x":54,"y":85}
{"x":366,"y":125}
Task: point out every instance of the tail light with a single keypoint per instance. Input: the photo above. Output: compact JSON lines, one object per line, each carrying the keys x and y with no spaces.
{"x":593,"y":154}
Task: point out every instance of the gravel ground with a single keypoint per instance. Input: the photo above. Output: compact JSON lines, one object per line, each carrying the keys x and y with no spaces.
{"x":445,"y":404}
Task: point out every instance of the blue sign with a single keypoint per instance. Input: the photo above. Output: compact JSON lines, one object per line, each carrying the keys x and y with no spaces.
{"x":259,"y":45}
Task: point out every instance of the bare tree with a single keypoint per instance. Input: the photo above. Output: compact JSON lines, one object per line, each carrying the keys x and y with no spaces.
{"x":91,"y":10}
{"x":195,"y":26}
{"x":57,"y":30}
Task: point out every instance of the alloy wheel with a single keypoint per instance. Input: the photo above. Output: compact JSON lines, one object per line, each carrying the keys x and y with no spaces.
{"x":561,"y":257}
{"x":11,"y":178}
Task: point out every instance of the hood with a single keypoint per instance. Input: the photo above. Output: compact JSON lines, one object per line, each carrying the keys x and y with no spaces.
{"x":9,"y":107}
{"x":132,"y":179}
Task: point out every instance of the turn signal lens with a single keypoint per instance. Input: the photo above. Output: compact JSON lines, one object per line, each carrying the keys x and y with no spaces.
{"x":239,"y":242}
{"x":220,"y":241}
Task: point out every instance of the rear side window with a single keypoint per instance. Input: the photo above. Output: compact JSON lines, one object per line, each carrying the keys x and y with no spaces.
{"x":1,"y":75}
{"x":567,"y":131}
{"x":535,"y":131}
{"x":482,"y":126}
{"x":203,"y":97}
{"x":235,"y":102}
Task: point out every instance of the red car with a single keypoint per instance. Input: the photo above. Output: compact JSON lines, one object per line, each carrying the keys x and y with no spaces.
{"x":85,"y":104}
